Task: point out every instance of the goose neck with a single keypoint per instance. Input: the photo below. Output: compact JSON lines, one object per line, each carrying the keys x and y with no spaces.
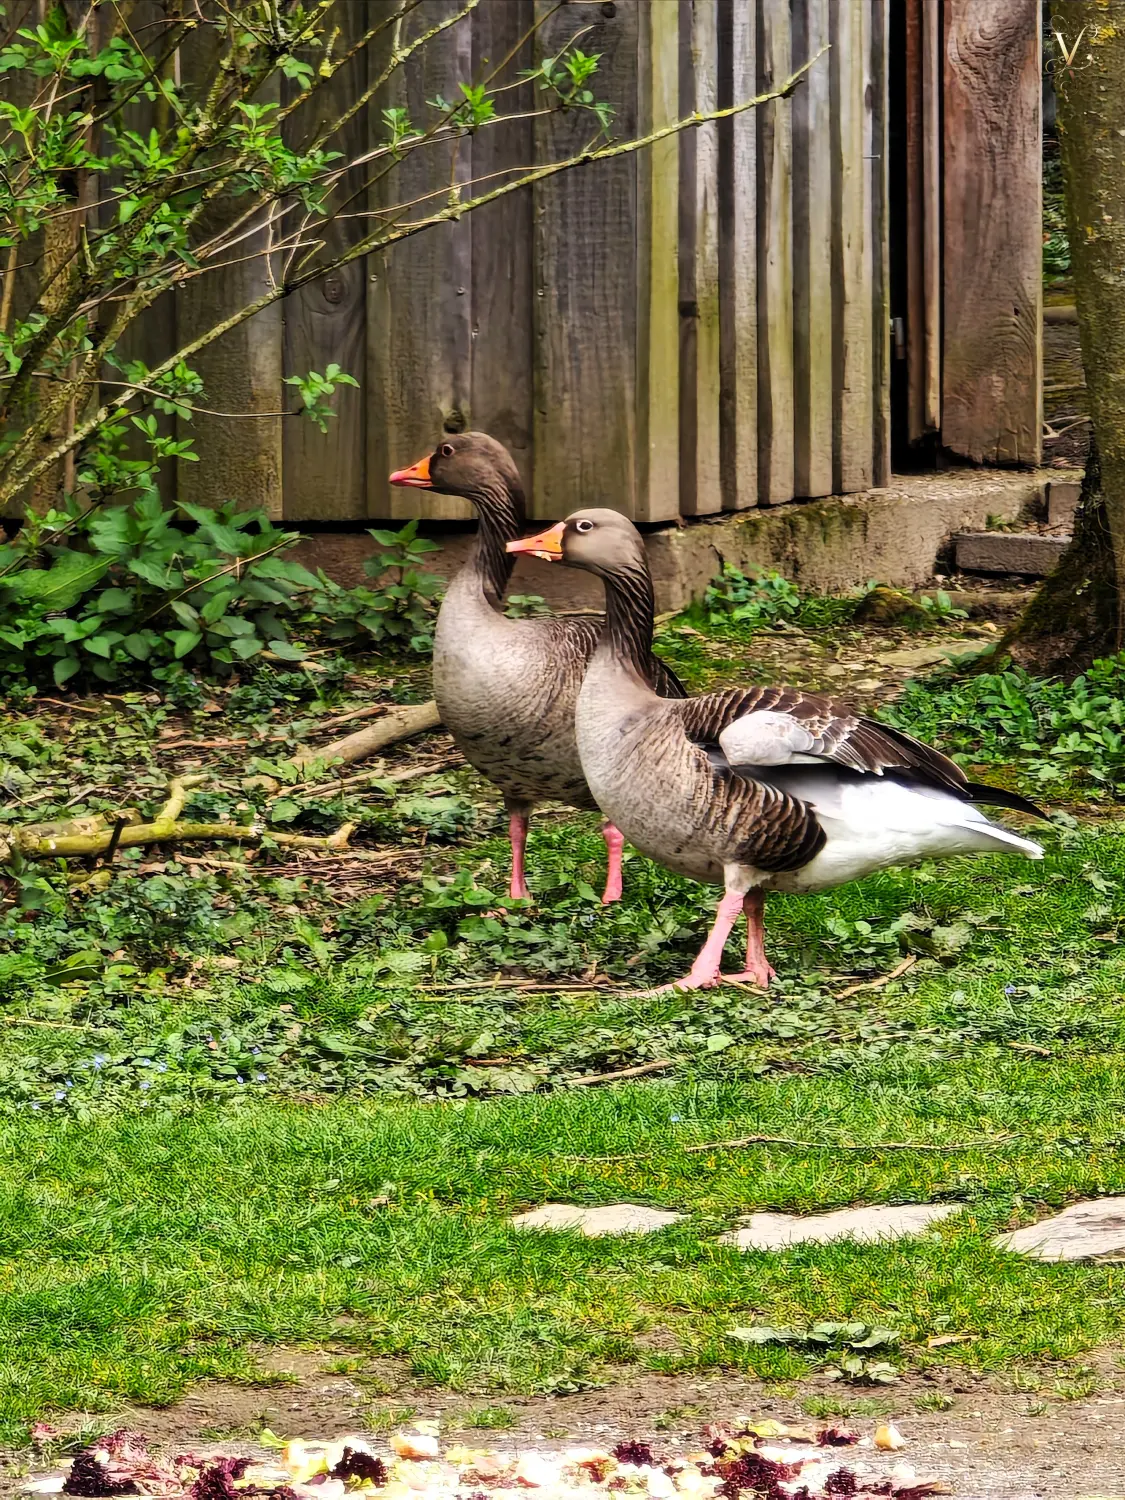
{"x":501,"y":515}
{"x":629,"y":620}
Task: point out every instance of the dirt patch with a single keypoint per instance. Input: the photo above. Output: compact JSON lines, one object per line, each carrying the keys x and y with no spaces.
{"x":991,"y":1443}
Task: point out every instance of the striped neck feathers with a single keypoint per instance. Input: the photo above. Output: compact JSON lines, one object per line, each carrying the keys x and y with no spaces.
{"x":629,"y":619}
{"x":501,"y":514}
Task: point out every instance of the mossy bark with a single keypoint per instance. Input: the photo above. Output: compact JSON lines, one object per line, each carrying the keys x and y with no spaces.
{"x":1080,"y":610}
{"x":1073,"y":619}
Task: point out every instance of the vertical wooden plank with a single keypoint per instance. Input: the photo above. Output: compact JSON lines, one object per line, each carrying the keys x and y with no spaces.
{"x":775,"y":260}
{"x":878,"y":143}
{"x":812,"y":256}
{"x":501,"y":240}
{"x":915,"y":294}
{"x":852,"y":414}
{"x":738,"y":268}
{"x":151,"y":337}
{"x":325,"y":473}
{"x":658,"y":287}
{"x":700,"y":489}
{"x":992,"y":370}
{"x":418,"y":306}
{"x":585,"y":280}
{"x":240,"y":455}
{"x":932,"y":211}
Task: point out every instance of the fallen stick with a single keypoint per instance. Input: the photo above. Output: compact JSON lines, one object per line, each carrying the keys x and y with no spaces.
{"x":877,"y":984}
{"x":396,"y":724}
{"x":784,"y":1140}
{"x":428,"y":768}
{"x":169,"y":831}
{"x":638,"y":1072}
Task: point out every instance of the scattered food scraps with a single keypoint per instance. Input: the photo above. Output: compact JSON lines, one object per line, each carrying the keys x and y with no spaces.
{"x":741,"y":1461}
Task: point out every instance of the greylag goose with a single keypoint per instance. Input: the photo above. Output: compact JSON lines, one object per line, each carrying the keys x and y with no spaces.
{"x":757,"y":788}
{"x":506,"y":689}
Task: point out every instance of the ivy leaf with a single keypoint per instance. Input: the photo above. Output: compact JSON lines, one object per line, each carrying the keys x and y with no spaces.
{"x":184,"y":642}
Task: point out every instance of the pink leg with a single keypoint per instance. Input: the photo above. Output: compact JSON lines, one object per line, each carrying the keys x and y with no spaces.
{"x":758,"y":970}
{"x":614,"y":843}
{"x":706,"y":970}
{"x":517,"y":834}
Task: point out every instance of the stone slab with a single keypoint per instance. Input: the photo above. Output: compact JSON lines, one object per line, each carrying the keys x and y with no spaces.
{"x":1062,"y":501}
{"x":1025,"y":552}
{"x":611,"y":1218}
{"x":827,"y":546}
{"x":865,"y":1226}
{"x":1096,"y":1227}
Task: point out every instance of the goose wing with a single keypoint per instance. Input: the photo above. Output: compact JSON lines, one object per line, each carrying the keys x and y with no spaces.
{"x":761,"y":728}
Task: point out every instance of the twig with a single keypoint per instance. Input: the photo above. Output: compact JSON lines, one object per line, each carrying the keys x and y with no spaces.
{"x":877,"y":984}
{"x":639,"y":1072}
{"x":785,"y":1140}
{"x":76,"y":708}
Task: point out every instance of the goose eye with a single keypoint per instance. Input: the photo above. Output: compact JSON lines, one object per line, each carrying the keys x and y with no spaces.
{"x":446,"y":450}
{"x":583,"y":525}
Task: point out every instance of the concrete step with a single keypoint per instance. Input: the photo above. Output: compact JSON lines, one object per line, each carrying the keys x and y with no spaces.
{"x":1063,"y":496}
{"x":1025,"y":552}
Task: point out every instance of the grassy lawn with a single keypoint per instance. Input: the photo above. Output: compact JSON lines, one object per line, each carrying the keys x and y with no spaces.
{"x":268,"y":1104}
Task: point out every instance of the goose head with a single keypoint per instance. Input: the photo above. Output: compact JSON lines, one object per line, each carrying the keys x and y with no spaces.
{"x":600,"y":541}
{"x":471,"y":465}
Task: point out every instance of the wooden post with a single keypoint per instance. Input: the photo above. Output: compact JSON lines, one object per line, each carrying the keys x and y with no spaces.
{"x":419,"y":292}
{"x":738,"y":269}
{"x":992,"y":401}
{"x":501,"y":242}
{"x":923,"y":217}
{"x":853,"y":407}
{"x":325,"y":473}
{"x":240,"y":455}
{"x":658,"y":291}
{"x":877,"y":141}
{"x":585,"y":281}
{"x":700,"y":492}
{"x":812,"y":256}
{"x":775,"y":260}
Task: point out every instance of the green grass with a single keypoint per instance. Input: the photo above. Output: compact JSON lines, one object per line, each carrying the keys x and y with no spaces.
{"x":138,"y":1254}
{"x":238,"y":1110}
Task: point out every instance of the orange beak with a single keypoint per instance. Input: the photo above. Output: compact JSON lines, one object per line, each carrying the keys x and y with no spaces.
{"x":417,"y":477}
{"x":547,"y":545}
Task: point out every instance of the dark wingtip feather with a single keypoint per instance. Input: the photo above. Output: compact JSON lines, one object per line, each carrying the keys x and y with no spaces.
{"x":994,"y":796}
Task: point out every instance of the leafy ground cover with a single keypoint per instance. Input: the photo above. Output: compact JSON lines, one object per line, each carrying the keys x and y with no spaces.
{"x":250,"y":1099}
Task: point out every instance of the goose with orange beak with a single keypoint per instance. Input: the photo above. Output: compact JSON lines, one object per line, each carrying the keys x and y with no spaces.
{"x":505,"y":688}
{"x":752,"y":789}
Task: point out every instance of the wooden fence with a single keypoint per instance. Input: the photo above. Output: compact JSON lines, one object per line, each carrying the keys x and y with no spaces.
{"x":703,"y":326}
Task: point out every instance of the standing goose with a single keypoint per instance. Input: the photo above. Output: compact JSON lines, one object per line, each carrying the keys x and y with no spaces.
{"x":506,"y":689}
{"x":756,"y":788}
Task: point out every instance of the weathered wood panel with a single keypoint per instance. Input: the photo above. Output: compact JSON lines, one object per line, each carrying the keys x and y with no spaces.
{"x":240,"y":454}
{"x":991,"y":380}
{"x":812,"y":256}
{"x":658,"y":292}
{"x":419,"y":304}
{"x":501,"y":242}
{"x":775,"y":259}
{"x":700,"y":489}
{"x":738,"y":268}
{"x":325,"y":473}
{"x":923,"y":217}
{"x":877,"y":142}
{"x":585,"y":277}
{"x":931,"y":197}
{"x":853,"y":405}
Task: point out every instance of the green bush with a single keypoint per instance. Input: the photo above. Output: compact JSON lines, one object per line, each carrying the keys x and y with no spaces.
{"x":121,"y":590}
{"x":1058,"y":729}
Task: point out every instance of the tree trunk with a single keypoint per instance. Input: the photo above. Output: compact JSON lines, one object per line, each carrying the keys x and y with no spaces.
{"x":1080,"y":611}
{"x":1073,"y":619}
